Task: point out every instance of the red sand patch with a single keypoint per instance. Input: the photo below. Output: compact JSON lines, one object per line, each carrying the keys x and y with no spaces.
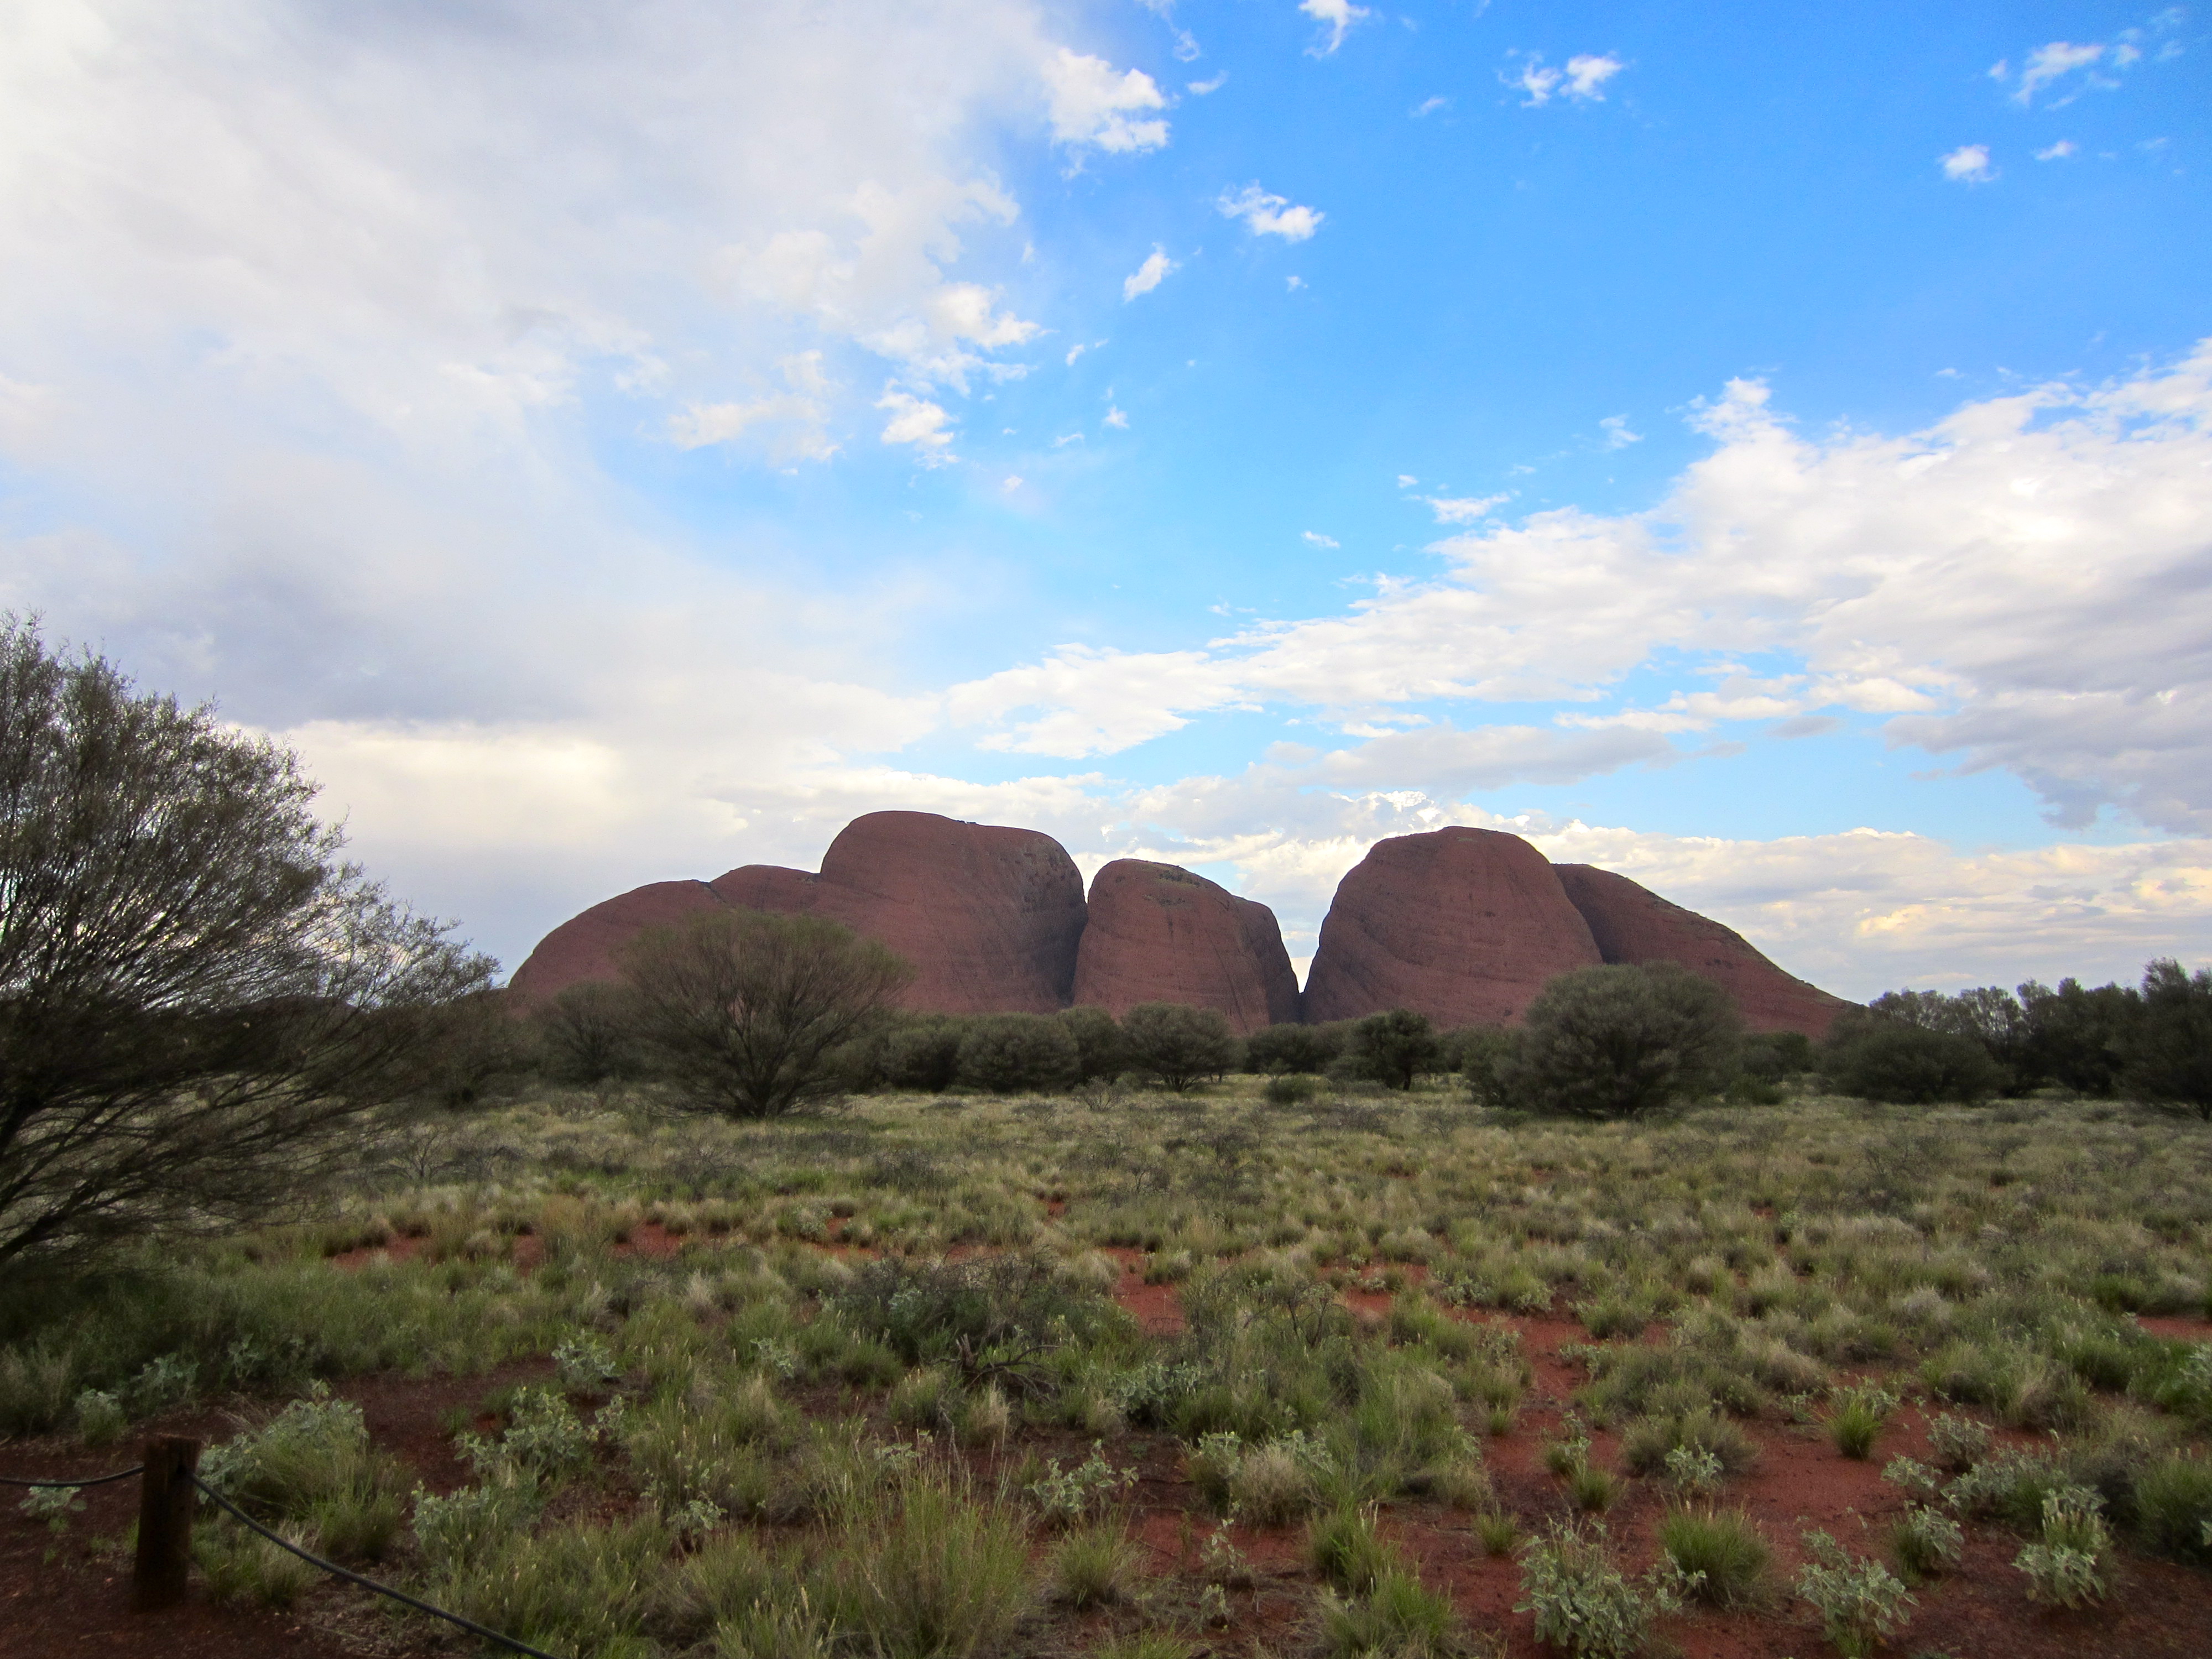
{"x":1157,"y":1307}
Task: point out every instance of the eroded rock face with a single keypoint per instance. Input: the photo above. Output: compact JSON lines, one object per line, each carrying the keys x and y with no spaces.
{"x":1159,"y":934}
{"x":990,"y":917}
{"x":1462,"y":925}
{"x":586,"y":946}
{"x":1631,"y":924}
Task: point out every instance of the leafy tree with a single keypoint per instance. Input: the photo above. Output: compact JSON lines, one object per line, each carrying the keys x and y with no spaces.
{"x":196,"y":992}
{"x":922,"y":1051}
{"x":1101,"y":1050}
{"x":2167,"y":1052}
{"x":1615,"y":1041}
{"x":1178,"y":1044}
{"x":2075,"y":1034}
{"x":1292,"y":1048}
{"x":751,"y":1015}
{"x":1878,"y":1056}
{"x":1395,"y":1048}
{"x":1484,"y":1056}
{"x":589,"y":1032}
{"x":1008,"y":1053}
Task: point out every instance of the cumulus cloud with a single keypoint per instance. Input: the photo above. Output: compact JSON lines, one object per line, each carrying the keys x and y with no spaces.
{"x":1315,"y":538}
{"x":1090,"y":104}
{"x":1617,"y":435}
{"x":2059,"y":151}
{"x":795,"y":417}
{"x":1336,"y":16}
{"x":918,"y":422}
{"x":2025,"y":586}
{"x":1969,"y":164}
{"x":1146,"y":276}
{"x":1200,"y":88}
{"x":1267,"y":215}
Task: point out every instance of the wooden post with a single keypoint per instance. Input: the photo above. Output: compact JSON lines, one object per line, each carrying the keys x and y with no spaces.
{"x":166,"y":1499}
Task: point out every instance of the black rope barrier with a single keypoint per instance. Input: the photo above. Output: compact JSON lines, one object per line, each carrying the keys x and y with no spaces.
{"x":351,"y":1577}
{"x":96,"y":1480}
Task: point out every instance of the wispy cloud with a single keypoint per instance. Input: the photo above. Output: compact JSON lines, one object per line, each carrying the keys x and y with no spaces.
{"x":1314,"y":537}
{"x":2048,"y":64}
{"x":1336,"y":16}
{"x":1429,"y":106}
{"x":1464,"y":509}
{"x":1200,"y":88}
{"x":1267,"y":215}
{"x":1617,"y":435}
{"x":1148,"y":276}
{"x":1584,"y":78}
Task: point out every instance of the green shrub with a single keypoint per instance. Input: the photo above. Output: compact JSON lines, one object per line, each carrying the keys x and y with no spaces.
{"x":1876,"y":1057}
{"x":1860,"y":1603}
{"x":1290,"y":1090}
{"x":1926,"y":1542}
{"x":1395,"y":1048}
{"x":922,"y":1053}
{"x":2166,"y":1050}
{"x":1094,"y":1564}
{"x":1859,"y":1418}
{"x":1725,"y":1553}
{"x":578,"y":1586}
{"x":1398,"y":1617}
{"x":1293,"y":1049}
{"x":935,"y":1573}
{"x":1617,"y":1042}
{"x":2173,"y":1507}
{"x":313,"y":1464}
{"x":1583,"y":1603}
{"x":1177,"y":1044}
{"x":1649,"y":1443}
{"x":1347,"y":1550}
{"x":1011,"y":1053}
{"x":1102,"y":1053}
{"x":997,"y":1317}
{"x":2066,"y":1566}
{"x":241,"y":1567}
{"x":1959,"y":1442}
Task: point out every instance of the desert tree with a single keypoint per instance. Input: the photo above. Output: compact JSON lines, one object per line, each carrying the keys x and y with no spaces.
{"x":1178,"y":1044}
{"x":2165,"y":1051}
{"x":589,"y":1032}
{"x":1615,"y":1041}
{"x":1009,"y":1053}
{"x":1395,"y":1047}
{"x":750,"y":1015}
{"x":198,"y":993}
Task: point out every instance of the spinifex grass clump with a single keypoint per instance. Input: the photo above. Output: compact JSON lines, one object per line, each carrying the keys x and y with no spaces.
{"x":1721,"y":1553}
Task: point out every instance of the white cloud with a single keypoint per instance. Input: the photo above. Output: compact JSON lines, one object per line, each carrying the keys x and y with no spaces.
{"x":1337,"y":16}
{"x":1294,"y":283}
{"x":1584,"y":78}
{"x":2059,"y":151}
{"x":1465,"y":510}
{"x":1407,"y":481}
{"x":918,"y":422}
{"x":1200,"y":88}
{"x":1969,"y":164}
{"x":1114,"y":418}
{"x":1267,"y":215}
{"x":2023,"y":586}
{"x":795,"y":416}
{"x":1617,"y":435}
{"x":1012,"y":481}
{"x":2048,"y":64}
{"x":1090,"y":104}
{"x":1429,"y":106}
{"x":1315,"y":538}
{"x":1146,"y":276}
{"x":1079,"y":348}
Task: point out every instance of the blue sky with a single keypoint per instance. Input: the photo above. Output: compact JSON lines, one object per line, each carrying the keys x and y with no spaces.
{"x":1766,"y":451}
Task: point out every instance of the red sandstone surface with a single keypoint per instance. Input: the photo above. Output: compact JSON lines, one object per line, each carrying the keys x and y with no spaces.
{"x":989,"y":917}
{"x":1158,"y":933}
{"x":1462,"y":925}
{"x":1633,"y":925}
{"x":585,"y":946}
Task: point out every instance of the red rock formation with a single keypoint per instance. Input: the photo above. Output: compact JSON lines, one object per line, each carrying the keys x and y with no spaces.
{"x":1632,"y":924}
{"x":584,"y":946}
{"x":1462,"y":925}
{"x":1157,"y":934}
{"x":989,"y":917}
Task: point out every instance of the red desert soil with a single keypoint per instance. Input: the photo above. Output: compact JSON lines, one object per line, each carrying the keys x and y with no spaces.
{"x":78,"y":1602}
